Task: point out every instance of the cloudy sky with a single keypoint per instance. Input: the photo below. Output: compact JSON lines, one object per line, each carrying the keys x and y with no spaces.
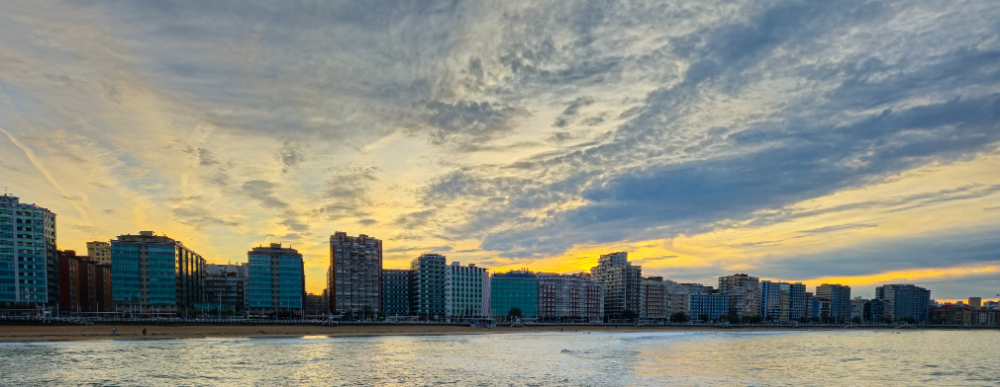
{"x":817,"y":141}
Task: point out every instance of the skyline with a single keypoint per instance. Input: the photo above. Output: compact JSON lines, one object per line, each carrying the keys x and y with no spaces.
{"x":853,"y":143}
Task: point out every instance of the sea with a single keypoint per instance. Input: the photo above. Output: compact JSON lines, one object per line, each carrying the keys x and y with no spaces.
{"x":580,"y":358}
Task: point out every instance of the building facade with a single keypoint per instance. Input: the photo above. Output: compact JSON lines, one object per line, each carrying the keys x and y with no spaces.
{"x":744,"y":294}
{"x":355,"y":275}
{"x":155,"y":274}
{"x":514,"y":289}
{"x":903,"y":301}
{"x":226,"y":287}
{"x":709,"y":307}
{"x":277,"y":280}
{"x":29,"y":261}
{"x":570,"y":297}
{"x":396,"y":294}
{"x":100,"y":252}
{"x":84,"y":284}
{"x":874,"y":311}
{"x":428,"y":286}
{"x":840,"y":301}
{"x":622,"y":284}
{"x":782,"y":301}
{"x":468,"y":291}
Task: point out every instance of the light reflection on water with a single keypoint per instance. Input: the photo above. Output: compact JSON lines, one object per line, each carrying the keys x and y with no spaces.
{"x":854,"y":358}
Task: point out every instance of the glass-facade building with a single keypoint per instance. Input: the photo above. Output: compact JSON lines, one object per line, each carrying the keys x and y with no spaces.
{"x":467,"y":291}
{"x":155,"y":274}
{"x":904,"y":300}
{"x":782,"y":301}
{"x":516,"y":288}
{"x":29,"y":261}
{"x":277,"y":280}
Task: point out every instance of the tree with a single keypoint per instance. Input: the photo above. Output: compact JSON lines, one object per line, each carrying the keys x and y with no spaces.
{"x":856,"y":320}
{"x":804,"y":320}
{"x":515,"y":312}
{"x":630,"y":314}
{"x":815,"y":319}
{"x":704,"y":317}
{"x":678,"y":317}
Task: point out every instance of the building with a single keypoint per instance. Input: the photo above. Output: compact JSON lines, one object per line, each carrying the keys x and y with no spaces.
{"x":874,"y":311}
{"x":840,"y":301}
{"x":277,"y":281}
{"x":570,"y":297}
{"x":84,"y":284}
{"x":355,"y":275}
{"x":396,"y":294}
{"x":905,"y":301}
{"x":782,"y":301}
{"x":709,"y":307}
{"x":226,"y":288}
{"x":29,"y":262}
{"x":653,"y":304}
{"x":100,"y":252}
{"x":468,"y":291}
{"x":622,"y":284}
{"x":428,"y":286}
{"x":315,"y":305}
{"x":677,"y":298}
{"x":514,"y":289}
{"x":155,"y":274}
{"x":976,"y":302}
{"x":744,"y":294}
{"x":858,"y":308}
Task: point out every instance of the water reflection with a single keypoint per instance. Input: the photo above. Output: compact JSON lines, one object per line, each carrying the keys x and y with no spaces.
{"x":571,"y":359}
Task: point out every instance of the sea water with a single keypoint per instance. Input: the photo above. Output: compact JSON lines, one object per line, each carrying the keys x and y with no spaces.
{"x":597,"y":358}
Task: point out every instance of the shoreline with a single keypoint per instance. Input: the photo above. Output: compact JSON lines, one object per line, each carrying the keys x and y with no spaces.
{"x":20,"y":333}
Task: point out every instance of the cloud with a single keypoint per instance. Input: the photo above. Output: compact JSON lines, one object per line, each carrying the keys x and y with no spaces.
{"x":839,"y":227}
{"x":263,"y":191}
{"x":468,"y":121}
{"x":199,"y":218}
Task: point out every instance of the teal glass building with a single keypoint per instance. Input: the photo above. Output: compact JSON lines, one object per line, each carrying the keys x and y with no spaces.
{"x":516,"y":288}
{"x":29,"y":262}
{"x":276,"y":280}
{"x":155,"y":274}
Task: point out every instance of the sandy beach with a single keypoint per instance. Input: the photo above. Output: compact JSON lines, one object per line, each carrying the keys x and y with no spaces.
{"x":103,"y":332}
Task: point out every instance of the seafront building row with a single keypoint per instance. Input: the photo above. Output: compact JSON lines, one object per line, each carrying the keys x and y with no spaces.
{"x":155,"y":275}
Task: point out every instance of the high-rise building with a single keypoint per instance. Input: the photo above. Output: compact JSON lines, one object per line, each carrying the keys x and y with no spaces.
{"x":155,"y":274}
{"x":570,"y":297}
{"x":653,"y":305}
{"x":622,"y":284}
{"x":29,"y":262}
{"x":428,"y":285}
{"x":355,"y":275}
{"x":277,"y":282}
{"x":468,"y":291}
{"x":874,"y":311}
{"x":84,"y":285}
{"x":840,"y":300}
{"x":902,"y":301}
{"x":744,"y":294}
{"x":677,"y":298}
{"x":782,"y":301}
{"x":514,"y":289}
{"x":976,"y":302}
{"x":396,"y":292}
{"x":226,"y":287}
{"x":100,"y":252}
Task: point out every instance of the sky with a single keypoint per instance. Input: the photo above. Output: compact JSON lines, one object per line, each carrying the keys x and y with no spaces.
{"x":853,"y":142}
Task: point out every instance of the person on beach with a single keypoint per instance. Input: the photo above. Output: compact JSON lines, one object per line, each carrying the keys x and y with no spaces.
{"x":143,"y":331}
